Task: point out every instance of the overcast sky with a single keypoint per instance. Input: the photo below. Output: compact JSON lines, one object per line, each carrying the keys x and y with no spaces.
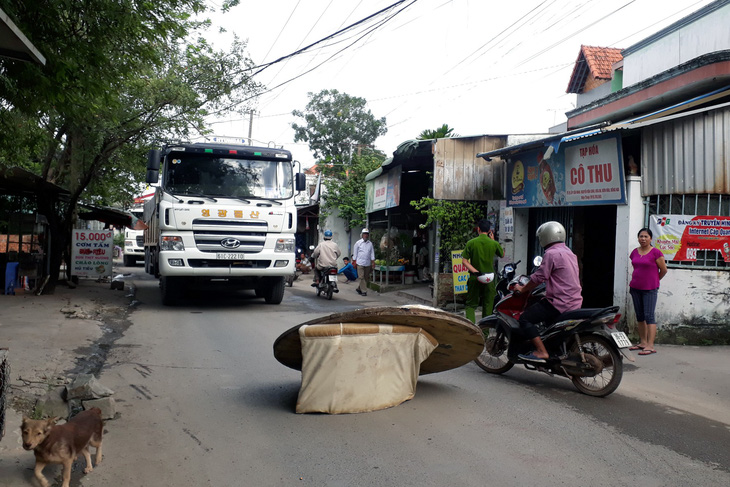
{"x":481,"y":66}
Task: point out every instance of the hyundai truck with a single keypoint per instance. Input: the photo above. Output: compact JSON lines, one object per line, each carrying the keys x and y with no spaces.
{"x":222,"y":214}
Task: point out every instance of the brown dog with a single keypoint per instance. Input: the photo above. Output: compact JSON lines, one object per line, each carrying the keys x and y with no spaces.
{"x":61,"y":444}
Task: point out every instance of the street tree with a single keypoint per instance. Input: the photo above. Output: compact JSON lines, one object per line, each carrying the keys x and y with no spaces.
{"x":336,"y":126}
{"x":347,"y":195}
{"x":442,"y":132}
{"x":120,"y":77}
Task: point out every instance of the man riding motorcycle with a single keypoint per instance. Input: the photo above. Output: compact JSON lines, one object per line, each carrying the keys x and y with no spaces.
{"x":559,"y":270}
{"x":326,"y":255}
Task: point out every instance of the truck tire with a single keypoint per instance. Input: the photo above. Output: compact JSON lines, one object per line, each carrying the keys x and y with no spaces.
{"x":274,"y":292}
{"x":130,"y":260}
{"x":172,"y":289}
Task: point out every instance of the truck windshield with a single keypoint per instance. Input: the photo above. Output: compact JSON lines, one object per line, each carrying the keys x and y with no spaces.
{"x":218,"y":176}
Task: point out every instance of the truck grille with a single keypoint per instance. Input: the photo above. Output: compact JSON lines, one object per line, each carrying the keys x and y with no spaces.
{"x":209,"y":235}
{"x":232,"y":264}
{"x":140,"y":240}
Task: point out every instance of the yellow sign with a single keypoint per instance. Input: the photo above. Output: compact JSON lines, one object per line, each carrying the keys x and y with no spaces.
{"x":460,"y":272}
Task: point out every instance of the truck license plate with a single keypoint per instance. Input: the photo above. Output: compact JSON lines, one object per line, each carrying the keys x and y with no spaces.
{"x":622,"y":341}
{"x":230,"y":256}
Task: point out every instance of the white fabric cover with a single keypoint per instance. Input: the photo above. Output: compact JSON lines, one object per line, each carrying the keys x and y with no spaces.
{"x":359,"y":367}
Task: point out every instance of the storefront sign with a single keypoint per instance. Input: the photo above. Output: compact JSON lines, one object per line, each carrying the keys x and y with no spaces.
{"x":580,"y":173}
{"x":91,"y":253}
{"x":384,"y":191}
{"x":460,"y":272}
{"x":679,"y":237}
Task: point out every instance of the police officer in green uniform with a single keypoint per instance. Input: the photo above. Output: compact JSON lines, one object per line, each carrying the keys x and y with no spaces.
{"x":478,"y":258}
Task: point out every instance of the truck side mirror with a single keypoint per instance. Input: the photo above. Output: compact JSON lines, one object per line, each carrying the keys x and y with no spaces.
{"x":152,"y":176}
{"x":153,"y":160}
{"x":301,"y":181}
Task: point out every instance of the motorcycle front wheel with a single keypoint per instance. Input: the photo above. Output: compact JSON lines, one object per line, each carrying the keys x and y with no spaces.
{"x":609,"y":377}
{"x":493,"y":358}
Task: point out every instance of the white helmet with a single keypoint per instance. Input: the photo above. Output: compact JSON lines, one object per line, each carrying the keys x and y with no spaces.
{"x":549,"y":233}
{"x":486,"y":278}
{"x":365,"y":230}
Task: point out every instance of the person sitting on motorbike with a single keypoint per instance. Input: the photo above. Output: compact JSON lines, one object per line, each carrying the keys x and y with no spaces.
{"x":559,"y":270}
{"x":325,"y":255}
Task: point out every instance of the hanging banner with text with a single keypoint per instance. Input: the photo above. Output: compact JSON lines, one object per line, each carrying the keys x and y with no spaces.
{"x":679,"y":237}
{"x":384,"y":191}
{"x":460,"y":272}
{"x":91,"y":253}
{"x":579,"y":173}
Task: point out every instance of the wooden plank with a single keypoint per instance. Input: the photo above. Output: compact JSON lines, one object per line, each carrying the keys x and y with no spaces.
{"x":460,"y":341}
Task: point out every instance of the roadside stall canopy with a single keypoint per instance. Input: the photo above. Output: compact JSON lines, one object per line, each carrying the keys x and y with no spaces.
{"x":14,"y":44}
{"x":17,"y":181}
{"x":111,"y":216}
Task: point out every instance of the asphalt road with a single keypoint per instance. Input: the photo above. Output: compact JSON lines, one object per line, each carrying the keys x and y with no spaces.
{"x":204,"y":402}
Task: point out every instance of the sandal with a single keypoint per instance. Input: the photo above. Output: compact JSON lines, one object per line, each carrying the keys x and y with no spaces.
{"x":647,"y":352}
{"x":636,"y":347}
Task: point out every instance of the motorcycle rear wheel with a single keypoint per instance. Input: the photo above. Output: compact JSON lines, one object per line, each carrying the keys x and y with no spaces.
{"x":329,"y":292}
{"x":607,"y":380}
{"x":493,"y":358}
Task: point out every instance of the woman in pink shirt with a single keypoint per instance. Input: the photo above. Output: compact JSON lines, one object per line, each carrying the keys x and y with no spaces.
{"x":649,"y":267}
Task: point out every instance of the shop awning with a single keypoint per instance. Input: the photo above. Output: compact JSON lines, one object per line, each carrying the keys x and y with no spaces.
{"x":17,"y":181}
{"x":112,"y":216}
{"x":678,"y":110}
{"x":14,"y":44}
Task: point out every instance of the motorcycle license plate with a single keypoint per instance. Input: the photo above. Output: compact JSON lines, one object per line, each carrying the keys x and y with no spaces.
{"x":622,"y":341}
{"x":332,"y":278}
{"x":229,"y":256}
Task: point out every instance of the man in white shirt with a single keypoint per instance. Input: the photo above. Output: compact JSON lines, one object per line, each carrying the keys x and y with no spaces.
{"x":363,"y":258}
{"x":325,"y":255}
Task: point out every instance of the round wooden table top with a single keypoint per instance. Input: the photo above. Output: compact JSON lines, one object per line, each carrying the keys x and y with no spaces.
{"x":460,"y":341}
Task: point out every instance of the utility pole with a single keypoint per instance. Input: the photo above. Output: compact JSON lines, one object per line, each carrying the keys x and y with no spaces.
{"x":250,"y":127}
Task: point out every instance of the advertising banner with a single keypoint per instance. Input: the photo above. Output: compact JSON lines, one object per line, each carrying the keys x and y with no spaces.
{"x":583,"y":173}
{"x":91,"y":253}
{"x":460,"y":272}
{"x":679,"y":237}
{"x":384,"y":191}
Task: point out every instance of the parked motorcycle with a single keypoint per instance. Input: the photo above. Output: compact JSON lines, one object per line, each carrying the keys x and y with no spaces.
{"x":504,"y":277}
{"x":328,"y":282}
{"x":583,"y":344}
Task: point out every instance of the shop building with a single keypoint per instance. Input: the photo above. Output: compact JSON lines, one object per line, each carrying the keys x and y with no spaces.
{"x":648,"y":146}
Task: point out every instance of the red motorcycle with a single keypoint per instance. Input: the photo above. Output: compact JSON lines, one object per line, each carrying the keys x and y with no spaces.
{"x":583,"y":344}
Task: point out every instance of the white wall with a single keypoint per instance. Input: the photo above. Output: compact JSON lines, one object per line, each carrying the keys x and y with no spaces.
{"x":339,"y":234}
{"x":629,"y":220}
{"x":693,"y":296}
{"x":705,"y":35}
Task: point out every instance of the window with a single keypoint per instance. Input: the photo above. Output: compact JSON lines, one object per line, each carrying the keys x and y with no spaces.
{"x":709,"y":253}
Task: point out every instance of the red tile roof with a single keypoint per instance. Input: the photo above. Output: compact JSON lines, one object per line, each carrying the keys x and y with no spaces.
{"x":597,"y":61}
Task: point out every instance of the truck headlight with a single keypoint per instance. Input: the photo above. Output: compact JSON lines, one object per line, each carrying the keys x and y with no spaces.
{"x":172,"y":243}
{"x":128,"y":243}
{"x":284,"y":245}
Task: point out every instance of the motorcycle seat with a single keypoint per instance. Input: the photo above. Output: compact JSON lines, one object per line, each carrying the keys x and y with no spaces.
{"x":585,"y":313}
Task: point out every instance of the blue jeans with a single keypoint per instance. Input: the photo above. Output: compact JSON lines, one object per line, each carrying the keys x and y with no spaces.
{"x":645,"y":304}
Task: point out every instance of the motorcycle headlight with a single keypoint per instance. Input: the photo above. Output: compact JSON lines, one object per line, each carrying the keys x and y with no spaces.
{"x":172,"y":243}
{"x":284,"y":245}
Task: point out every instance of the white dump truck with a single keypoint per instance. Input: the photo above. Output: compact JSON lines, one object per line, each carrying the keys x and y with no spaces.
{"x":222,"y":214}
{"x":134,"y":240}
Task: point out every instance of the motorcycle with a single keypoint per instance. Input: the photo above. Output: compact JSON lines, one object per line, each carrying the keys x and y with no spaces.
{"x":504,"y":277}
{"x":584,"y":344}
{"x":328,"y":282}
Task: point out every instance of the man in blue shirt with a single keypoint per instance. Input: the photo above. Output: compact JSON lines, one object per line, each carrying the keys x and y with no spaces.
{"x":349,"y":271}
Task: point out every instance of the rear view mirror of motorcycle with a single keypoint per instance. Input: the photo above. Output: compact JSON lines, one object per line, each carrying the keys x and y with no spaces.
{"x":537,"y":261}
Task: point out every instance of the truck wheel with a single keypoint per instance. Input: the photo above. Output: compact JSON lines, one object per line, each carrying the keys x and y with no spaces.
{"x":130,"y":260}
{"x":172,"y":289}
{"x":274,"y":293}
